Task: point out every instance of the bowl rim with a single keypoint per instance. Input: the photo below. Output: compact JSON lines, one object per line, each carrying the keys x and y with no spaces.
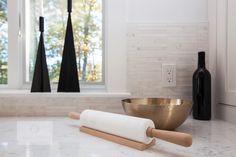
{"x":124,"y":101}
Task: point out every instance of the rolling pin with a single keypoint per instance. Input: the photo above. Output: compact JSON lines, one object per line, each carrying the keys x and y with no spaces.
{"x":132,"y":128}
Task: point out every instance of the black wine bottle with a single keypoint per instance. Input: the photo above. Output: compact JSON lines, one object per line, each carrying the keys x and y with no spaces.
{"x":201,"y":90}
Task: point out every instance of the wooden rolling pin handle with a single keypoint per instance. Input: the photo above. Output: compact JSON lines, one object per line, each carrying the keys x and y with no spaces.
{"x":182,"y":139}
{"x":74,"y":115}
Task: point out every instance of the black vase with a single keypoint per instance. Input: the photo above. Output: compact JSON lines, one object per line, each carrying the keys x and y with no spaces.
{"x":69,"y":80}
{"x":41,"y":82}
{"x":201,"y":90}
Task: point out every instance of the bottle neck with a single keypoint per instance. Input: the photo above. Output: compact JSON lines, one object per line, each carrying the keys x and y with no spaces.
{"x":201,"y":60}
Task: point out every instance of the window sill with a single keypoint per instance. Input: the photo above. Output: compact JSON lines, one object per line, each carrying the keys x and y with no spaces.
{"x":27,"y":93}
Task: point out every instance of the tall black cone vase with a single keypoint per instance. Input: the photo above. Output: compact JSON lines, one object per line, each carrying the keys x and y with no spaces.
{"x":41,"y":81}
{"x":69,"y":81}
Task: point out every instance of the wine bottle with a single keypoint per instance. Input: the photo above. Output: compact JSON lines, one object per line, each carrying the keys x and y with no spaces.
{"x":201,"y":90}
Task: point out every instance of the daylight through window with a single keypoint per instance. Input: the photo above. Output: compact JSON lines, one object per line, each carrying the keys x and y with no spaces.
{"x":87,"y":27}
{"x":3,"y":42}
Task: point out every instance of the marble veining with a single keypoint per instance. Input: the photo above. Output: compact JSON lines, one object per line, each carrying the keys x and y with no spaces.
{"x":210,"y":139}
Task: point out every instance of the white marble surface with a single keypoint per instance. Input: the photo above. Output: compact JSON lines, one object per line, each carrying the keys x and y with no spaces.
{"x":60,"y":137}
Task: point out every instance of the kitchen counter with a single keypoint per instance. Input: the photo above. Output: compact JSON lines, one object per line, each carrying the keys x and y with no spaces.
{"x":60,"y":137}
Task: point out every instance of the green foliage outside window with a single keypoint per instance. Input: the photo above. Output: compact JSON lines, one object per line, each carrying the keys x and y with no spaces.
{"x":87,"y":26}
{"x":3,"y":42}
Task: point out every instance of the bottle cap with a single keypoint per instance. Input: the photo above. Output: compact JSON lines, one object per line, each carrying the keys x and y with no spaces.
{"x":201,"y":59}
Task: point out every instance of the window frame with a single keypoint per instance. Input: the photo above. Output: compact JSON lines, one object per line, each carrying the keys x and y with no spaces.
{"x":18,"y":58}
{"x":14,"y":40}
{"x":114,"y":48}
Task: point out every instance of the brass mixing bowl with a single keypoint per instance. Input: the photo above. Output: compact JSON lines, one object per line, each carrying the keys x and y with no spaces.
{"x":167,"y":114}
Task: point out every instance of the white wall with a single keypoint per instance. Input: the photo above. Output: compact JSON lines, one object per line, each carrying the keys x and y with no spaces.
{"x":167,"y":10}
{"x":122,"y":12}
{"x":225,"y":71}
{"x":164,"y":31}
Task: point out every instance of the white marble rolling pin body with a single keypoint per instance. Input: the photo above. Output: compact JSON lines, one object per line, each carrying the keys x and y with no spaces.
{"x":129,"y":127}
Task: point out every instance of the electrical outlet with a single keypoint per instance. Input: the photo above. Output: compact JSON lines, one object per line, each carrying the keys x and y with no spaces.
{"x":168,"y":75}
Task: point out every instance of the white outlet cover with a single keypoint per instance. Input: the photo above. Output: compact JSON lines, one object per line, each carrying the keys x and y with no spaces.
{"x":168,"y":75}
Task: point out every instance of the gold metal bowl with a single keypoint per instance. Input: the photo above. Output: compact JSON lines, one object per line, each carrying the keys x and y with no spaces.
{"x":167,"y":114}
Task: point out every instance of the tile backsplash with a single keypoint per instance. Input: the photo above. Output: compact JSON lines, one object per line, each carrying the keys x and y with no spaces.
{"x":45,"y":105}
{"x":148,"y":47}
{"x":151,"y":45}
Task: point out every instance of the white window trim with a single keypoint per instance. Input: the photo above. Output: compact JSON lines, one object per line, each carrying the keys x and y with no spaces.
{"x":14,"y":54}
{"x":115,"y":39}
{"x":114,"y":48}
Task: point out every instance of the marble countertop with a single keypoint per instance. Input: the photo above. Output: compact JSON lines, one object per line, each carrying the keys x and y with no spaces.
{"x":60,"y":137}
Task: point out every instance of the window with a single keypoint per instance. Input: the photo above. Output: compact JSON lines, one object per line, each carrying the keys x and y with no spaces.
{"x":3,"y":42}
{"x":88,"y":36}
{"x":19,"y":48}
